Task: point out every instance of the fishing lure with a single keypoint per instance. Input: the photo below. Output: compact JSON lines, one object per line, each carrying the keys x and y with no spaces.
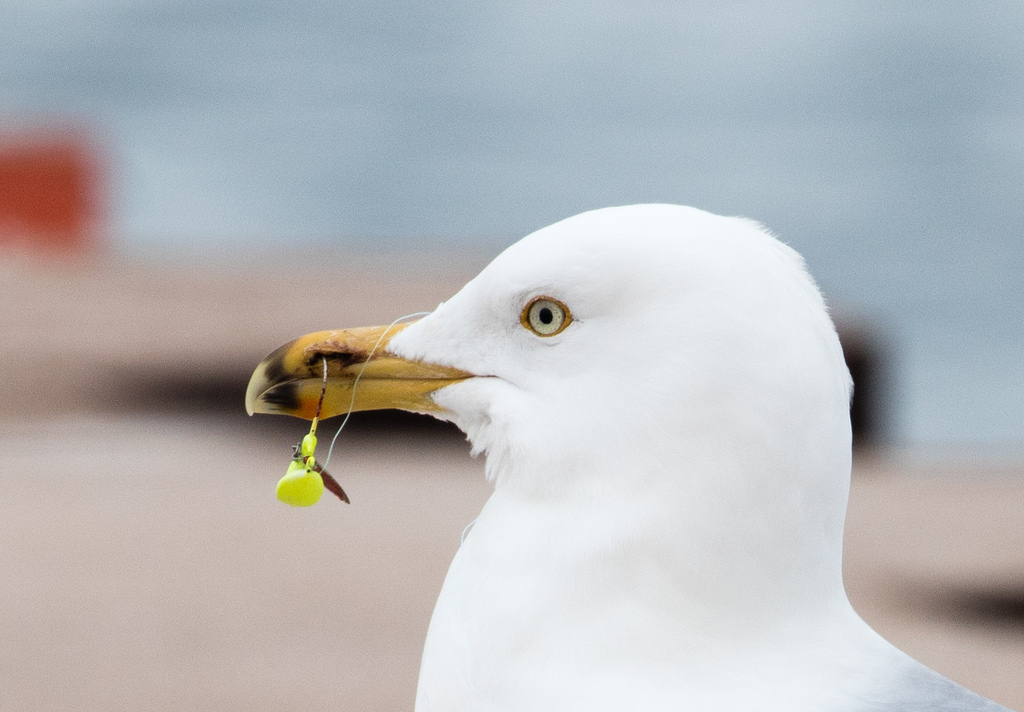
{"x":305,"y":480}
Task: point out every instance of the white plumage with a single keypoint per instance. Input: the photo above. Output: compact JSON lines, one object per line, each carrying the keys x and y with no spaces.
{"x":671,"y":475}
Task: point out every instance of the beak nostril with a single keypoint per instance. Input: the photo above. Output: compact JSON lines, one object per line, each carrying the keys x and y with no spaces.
{"x":343,"y":358}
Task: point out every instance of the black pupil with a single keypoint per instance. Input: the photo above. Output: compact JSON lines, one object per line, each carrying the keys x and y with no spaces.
{"x":545,"y":315}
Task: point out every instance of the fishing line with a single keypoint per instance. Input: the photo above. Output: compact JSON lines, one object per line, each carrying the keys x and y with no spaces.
{"x":355,"y":382}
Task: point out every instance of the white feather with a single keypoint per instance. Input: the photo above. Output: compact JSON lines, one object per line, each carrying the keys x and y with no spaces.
{"x":671,"y":475}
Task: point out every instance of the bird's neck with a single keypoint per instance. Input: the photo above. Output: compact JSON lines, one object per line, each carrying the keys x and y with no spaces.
{"x":680,"y":574}
{"x":739,"y":539}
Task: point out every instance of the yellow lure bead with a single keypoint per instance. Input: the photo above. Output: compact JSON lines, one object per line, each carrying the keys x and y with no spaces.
{"x":308,"y":446}
{"x":301,"y":486}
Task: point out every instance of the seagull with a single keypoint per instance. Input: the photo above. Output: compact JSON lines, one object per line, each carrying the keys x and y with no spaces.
{"x":664,"y":407}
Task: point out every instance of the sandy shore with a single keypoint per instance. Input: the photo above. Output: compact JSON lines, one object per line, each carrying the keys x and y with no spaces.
{"x":146,"y":564}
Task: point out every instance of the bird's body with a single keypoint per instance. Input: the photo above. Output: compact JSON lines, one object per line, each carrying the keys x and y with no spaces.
{"x":671,"y":468}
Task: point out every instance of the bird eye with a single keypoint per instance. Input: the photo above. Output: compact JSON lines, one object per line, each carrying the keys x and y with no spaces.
{"x":545,"y":316}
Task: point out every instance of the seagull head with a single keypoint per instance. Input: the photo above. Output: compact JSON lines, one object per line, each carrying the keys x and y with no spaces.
{"x":652,"y":358}
{"x":664,"y":406}
{"x":651,"y":330}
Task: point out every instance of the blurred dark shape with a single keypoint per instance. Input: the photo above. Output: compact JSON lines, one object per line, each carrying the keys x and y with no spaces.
{"x":220,"y":395}
{"x":995,"y":605}
{"x":864,"y":359}
{"x":50,"y":192}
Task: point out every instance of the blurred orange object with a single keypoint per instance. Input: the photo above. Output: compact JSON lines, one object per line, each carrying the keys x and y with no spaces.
{"x":49,"y":192}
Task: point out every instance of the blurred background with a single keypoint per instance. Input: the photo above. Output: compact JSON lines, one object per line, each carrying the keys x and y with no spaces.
{"x":186,"y":185}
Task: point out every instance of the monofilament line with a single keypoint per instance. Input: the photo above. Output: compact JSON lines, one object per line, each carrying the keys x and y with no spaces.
{"x":355,"y":382}
{"x":320,"y":401}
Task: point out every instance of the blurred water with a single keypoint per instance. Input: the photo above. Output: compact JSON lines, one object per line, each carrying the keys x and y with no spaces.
{"x":953,"y":340}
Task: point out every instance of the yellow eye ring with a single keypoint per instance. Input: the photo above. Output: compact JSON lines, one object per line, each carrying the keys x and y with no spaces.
{"x":545,"y":316}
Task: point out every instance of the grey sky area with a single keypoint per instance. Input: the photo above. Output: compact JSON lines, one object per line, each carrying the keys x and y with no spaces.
{"x":883,"y":140}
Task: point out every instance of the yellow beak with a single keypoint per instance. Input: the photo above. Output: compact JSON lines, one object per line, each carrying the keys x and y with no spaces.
{"x":289,"y":380}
